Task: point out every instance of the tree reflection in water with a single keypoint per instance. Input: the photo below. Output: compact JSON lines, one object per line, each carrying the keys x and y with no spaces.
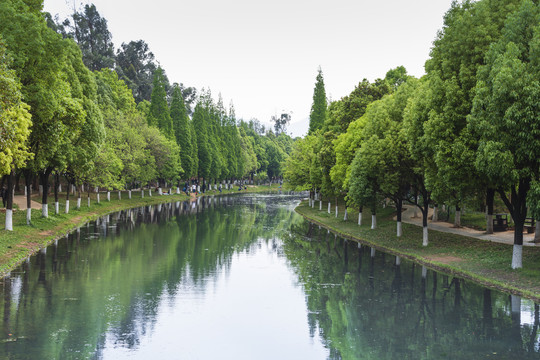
{"x":382,"y":307}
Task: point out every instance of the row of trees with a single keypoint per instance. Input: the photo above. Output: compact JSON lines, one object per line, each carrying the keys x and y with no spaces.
{"x":61,"y":119}
{"x":467,"y":129}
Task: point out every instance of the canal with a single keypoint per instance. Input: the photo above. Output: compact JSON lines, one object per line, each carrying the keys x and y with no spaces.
{"x":245,"y":277}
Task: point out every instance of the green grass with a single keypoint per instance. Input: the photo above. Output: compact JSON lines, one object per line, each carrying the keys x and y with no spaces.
{"x":25,"y":240}
{"x":482,"y":261}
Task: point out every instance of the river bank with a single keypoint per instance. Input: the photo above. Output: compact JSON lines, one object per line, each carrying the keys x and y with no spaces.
{"x":485,"y":262}
{"x":25,"y":240}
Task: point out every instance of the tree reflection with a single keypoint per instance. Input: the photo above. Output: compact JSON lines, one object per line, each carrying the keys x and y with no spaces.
{"x":381,"y":307}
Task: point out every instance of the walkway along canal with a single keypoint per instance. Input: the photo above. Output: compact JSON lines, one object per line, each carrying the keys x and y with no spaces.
{"x":244,"y":277}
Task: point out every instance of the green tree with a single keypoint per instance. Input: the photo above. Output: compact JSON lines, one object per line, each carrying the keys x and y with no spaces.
{"x":181,"y":128}
{"x":90,"y":32}
{"x":158,"y":114}
{"x":135,"y":65}
{"x":317,"y":115}
{"x":504,"y":114}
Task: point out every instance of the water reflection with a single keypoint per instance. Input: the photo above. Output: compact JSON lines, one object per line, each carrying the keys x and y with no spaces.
{"x":245,"y":275}
{"x":367,"y":304}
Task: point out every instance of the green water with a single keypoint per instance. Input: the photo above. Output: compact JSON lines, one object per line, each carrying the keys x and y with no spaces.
{"x":244,"y":277}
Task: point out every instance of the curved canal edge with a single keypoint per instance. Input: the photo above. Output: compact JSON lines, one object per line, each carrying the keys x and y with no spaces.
{"x":457,"y":255}
{"x":25,"y":241}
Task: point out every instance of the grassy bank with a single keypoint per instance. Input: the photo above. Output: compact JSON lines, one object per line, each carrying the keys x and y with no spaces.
{"x":25,"y":240}
{"x":481,"y":261}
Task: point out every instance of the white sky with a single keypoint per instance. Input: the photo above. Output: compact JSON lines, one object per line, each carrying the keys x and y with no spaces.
{"x":264,"y":56}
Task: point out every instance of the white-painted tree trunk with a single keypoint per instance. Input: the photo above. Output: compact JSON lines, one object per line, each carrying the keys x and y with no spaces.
{"x":150,"y":192}
{"x":373,"y":222}
{"x":78,"y":203}
{"x":372,"y":252}
{"x":346,"y":216}
{"x":398,"y":260}
{"x":67,"y":207}
{"x":108,"y":196}
{"x":457,"y":218}
{"x":178,"y":190}
{"x":45,"y":210}
{"x":399,"y":229}
{"x":489,"y":224}
{"x":435,"y":213}
{"x":59,"y":187}
{"x":9,"y":219}
{"x":159,"y":191}
{"x":360,"y":218}
{"x":119,"y":195}
{"x":142,"y":193}
{"x":425,"y":236}
{"x":517,"y":257}
{"x":88,"y":200}
{"x":129,"y":194}
{"x":28,"y":216}
{"x":56,"y":207}
{"x":98,"y":198}
{"x":329,"y":207}
{"x":320,"y":205}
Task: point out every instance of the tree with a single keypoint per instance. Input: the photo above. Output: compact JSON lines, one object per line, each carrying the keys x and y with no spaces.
{"x":158,"y":114}
{"x":181,"y":128}
{"x":90,"y":32}
{"x":318,"y":114}
{"x":281,"y":123}
{"x":14,"y":124}
{"x":135,"y":65}
{"x":458,"y":52}
{"x":505,"y":112}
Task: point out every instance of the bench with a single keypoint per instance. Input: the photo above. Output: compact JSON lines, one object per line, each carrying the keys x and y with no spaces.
{"x":500,"y":222}
{"x":530,"y":225}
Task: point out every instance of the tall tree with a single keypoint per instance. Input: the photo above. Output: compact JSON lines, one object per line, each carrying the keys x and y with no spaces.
{"x":318,"y":114}
{"x":135,"y":65}
{"x":159,"y":115}
{"x":505,"y":114}
{"x":90,"y":32}
{"x":181,"y":128}
{"x":15,"y":123}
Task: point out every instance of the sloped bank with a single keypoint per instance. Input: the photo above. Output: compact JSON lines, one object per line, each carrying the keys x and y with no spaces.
{"x":484,"y":262}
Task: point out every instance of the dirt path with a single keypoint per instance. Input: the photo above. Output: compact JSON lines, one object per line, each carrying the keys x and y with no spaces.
{"x":20,"y":201}
{"x":505,"y":237}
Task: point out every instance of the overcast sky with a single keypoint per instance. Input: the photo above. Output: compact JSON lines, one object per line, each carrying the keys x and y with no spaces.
{"x":264,"y":56}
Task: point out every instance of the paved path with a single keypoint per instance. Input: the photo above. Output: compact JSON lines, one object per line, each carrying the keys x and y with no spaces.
{"x":20,"y":200}
{"x":506,"y":237}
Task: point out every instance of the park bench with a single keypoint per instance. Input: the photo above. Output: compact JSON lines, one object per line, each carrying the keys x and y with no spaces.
{"x":529,"y":225}
{"x":500,"y":222}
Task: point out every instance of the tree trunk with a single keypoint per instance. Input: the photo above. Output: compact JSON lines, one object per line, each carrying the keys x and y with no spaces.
{"x":69,"y":187}
{"x":28,"y":183}
{"x":537,"y":232}
{"x":457,"y":217}
{"x":79,"y":189}
{"x":56,"y":184}
{"x":490,"y":196}
{"x":329,"y":207}
{"x":345,"y":217}
{"x":360,"y":216}
{"x":9,"y":202}
{"x":45,"y":183}
{"x":435,"y":213}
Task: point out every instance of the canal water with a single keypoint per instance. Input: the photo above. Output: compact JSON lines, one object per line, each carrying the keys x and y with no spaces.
{"x":244,"y":277}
